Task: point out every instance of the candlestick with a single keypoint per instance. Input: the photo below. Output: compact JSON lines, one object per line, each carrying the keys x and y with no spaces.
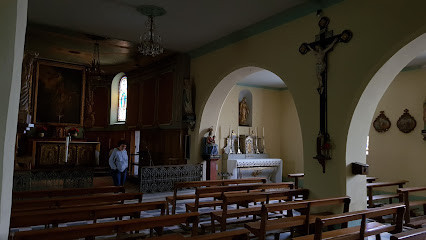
{"x":67,"y":143}
{"x":257,"y":145}
{"x":238,"y":138}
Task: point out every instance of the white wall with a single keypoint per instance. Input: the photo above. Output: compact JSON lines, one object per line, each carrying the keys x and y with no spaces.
{"x":394,"y":155}
{"x":13,"y":20}
{"x":275,"y":111}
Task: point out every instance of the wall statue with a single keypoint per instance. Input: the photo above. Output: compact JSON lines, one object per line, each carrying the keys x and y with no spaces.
{"x":25,"y":108}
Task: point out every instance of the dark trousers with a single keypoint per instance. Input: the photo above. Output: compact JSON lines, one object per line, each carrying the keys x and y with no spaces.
{"x":118,"y":177}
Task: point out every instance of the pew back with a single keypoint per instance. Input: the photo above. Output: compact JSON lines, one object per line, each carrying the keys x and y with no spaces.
{"x":67,"y":192}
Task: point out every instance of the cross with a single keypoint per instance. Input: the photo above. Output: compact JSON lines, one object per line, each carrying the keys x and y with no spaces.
{"x":323,"y":44}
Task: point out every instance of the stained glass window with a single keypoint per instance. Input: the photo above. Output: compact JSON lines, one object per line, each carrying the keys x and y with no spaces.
{"x":122,"y":99}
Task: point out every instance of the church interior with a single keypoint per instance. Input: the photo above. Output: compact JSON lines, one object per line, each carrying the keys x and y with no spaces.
{"x":295,"y":119}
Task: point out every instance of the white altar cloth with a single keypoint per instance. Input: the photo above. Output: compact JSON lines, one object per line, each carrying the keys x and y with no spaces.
{"x":271,"y":168}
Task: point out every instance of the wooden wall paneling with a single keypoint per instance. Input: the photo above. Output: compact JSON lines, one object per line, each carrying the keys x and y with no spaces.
{"x":165,"y":98}
{"x":133,"y":104}
{"x":148,"y":103}
{"x":101,"y":106}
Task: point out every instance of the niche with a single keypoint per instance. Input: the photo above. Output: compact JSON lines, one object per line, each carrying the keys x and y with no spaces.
{"x":245,"y":108}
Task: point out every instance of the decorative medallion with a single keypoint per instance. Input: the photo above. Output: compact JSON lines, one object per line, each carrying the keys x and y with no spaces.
{"x":406,"y":123}
{"x":382,"y":123}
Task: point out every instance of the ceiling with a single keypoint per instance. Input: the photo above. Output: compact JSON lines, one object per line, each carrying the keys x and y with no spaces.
{"x":263,"y":78}
{"x":187,"y":25}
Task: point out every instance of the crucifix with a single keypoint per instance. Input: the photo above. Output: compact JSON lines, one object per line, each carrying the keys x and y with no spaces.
{"x":321,"y":47}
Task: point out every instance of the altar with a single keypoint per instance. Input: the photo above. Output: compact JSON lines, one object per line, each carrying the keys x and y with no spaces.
{"x":254,"y":165}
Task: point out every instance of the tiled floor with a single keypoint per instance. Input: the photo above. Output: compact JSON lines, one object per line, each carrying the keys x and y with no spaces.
{"x":149,"y":197}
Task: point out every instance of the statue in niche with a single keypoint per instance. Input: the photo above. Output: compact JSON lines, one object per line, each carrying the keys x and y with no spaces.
{"x":244,"y":112}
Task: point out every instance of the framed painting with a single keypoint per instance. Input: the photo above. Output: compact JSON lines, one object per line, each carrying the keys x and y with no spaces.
{"x":59,"y":93}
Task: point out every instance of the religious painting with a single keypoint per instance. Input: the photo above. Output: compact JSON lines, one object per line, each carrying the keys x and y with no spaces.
{"x":59,"y":93}
{"x":382,"y":123}
{"x":406,"y":123}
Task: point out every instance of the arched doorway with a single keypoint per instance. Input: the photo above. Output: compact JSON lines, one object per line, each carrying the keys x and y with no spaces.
{"x":223,"y":102}
{"x":364,"y":112}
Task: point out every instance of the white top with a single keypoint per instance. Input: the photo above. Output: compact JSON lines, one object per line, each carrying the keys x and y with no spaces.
{"x":118,"y":160}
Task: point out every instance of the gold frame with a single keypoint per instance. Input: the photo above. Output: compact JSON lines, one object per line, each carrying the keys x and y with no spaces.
{"x":83,"y":83}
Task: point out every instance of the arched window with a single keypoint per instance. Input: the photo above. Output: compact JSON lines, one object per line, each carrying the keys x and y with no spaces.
{"x":122,"y":99}
{"x":118,"y":99}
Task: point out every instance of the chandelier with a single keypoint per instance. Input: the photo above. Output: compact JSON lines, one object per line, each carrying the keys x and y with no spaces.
{"x":95,"y":65}
{"x":150,"y":41}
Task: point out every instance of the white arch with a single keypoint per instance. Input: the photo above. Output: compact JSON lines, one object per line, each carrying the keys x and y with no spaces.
{"x":367,"y":104}
{"x":211,"y":111}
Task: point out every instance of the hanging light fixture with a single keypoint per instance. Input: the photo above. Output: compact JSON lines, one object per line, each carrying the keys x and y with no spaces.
{"x":150,"y":41}
{"x":95,"y":65}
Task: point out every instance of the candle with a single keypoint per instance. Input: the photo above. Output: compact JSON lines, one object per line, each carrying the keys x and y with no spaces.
{"x":263,"y":130}
{"x":238,"y":138}
{"x":67,"y":143}
{"x":229,"y":130}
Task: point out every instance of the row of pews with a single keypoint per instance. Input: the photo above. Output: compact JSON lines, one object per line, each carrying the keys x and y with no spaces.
{"x":262,"y":208}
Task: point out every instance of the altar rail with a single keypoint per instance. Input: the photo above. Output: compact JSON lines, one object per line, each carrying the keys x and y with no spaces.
{"x":163,"y":178}
{"x":45,"y":179}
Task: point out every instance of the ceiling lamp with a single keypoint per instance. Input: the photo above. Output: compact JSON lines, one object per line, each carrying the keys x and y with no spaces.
{"x":150,"y":41}
{"x":95,"y":65}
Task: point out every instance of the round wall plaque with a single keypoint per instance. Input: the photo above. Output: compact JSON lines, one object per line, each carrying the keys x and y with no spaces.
{"x":406,"y":123}
{"x":382,"y":123}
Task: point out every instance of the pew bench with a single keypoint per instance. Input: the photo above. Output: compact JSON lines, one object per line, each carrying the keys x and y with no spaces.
{"x":372,"y":198}
{"x":92,"y":213}
{"x":358,"y":232}
{"x":241,"y":234}
{"x":246,"y":198}
{"x":67,"y":202}
{"x":67,"y":192}
{"x":416,"y":234}
{"x":171,"y":200}
{"x":260,"y":228}
{"x":111,"y":228}
{"x":200,"y":192}
{"x":415,"y":222}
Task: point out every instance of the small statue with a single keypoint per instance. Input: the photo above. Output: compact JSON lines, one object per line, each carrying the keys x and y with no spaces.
{"x":187,"y":96}
{"x":211,"y":143}
{"x":321,"y":64}
{"x":244,"y":112}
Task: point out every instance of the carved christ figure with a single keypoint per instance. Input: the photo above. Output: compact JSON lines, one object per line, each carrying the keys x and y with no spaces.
{"x":244,"y":111}
{"x":320,"y":54}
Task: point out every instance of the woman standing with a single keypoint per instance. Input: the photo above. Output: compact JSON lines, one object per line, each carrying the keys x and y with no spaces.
{"x":118,"y":161}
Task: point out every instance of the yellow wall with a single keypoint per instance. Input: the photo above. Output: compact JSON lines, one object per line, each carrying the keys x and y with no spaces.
{"x":394,"y":155}
{"x":381,"y":28}
{"x":274,"y":110}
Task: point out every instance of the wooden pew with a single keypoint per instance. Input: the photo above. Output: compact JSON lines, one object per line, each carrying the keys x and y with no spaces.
{"x":171,"y":200}
{"x":296,"y":177}
{"x":67,"y":192}
{"x":372,"y":198}
{"x":418,"y":221}
{"x":201,"y":192}
{"x":260,"y":228}
{"x":240,"y":234}
{"x":246,"y":198}
{"x":57,"y":216}
{"x":416,"y":234}
{"x":110,"y":228}
{"x":94,"y":200}
{"x":359,"y":232}
{"x":371,"y":179}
